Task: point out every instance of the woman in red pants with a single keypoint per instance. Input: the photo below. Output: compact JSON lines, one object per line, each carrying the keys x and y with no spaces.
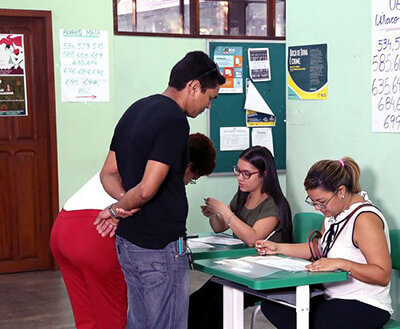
{"x":88,"y":262}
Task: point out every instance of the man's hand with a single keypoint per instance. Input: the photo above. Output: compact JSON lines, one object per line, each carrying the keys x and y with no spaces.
{"x":106,"y":224}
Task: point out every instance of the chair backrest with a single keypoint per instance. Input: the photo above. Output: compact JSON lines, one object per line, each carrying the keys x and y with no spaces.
{"x":304,"y":223}
{"x":395,"y":248}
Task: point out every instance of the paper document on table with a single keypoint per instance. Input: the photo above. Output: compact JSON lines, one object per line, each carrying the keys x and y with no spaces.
{"x":198,"y":245}
{"x":218,"y":240}
{"x":252,"y":270}
{"x":283,"y":263}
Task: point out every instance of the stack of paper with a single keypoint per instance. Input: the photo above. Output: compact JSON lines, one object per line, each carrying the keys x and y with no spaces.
{"x":198,"y":245}
{"x":215,"y":239}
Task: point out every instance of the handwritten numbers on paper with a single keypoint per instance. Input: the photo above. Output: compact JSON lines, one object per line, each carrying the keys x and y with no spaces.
{"x":84,"y":65}
{"x":392,"y":121}
{"x":385,"y":65}
{"x":385,"y":85}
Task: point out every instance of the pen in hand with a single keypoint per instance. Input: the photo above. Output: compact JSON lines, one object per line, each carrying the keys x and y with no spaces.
{"x":269,"y":236}
{"x":258,"y":246}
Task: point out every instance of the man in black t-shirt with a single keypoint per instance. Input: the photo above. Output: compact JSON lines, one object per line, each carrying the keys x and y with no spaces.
{"x":147,"y":158}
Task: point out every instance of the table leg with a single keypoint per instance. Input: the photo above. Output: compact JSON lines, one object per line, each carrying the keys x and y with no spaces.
{"x":233,"y":308}
{"x":302,"y":306}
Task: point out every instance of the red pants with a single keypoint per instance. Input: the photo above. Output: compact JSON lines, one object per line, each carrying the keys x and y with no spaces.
{"x":91,"y":271}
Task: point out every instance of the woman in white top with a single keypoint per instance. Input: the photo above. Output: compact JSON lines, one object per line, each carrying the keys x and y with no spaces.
{"x":88,"y":261}
{"x":355,"y":238}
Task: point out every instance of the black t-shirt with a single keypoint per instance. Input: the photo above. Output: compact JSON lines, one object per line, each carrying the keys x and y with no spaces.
{"x":153,"y":128}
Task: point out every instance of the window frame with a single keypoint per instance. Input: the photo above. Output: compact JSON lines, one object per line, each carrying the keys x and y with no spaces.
{"x":195,"y":25}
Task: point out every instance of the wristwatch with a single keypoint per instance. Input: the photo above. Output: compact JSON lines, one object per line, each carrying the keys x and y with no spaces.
{"x":112,"y":212}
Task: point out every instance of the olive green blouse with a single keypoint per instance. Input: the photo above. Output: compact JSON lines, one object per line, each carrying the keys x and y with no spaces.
{"x":266,"y":208}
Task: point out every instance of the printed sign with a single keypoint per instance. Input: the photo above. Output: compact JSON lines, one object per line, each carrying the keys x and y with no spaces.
{"x":259,"y":65}
{"x":13,"y":100}
{"x":308,"y":72}
{"x":230,"y":61}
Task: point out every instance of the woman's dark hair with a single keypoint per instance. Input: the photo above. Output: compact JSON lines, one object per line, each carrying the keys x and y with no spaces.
{"x":261,"y":158}
{"x":331,"y":174}
{"x":196,"y":65}
{"x":202,"y":154}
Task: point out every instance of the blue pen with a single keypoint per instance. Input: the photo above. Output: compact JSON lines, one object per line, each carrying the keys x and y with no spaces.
{"x":180,"y":246}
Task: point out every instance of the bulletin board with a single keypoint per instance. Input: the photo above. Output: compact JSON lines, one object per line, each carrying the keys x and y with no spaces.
{"x":228,"y":109}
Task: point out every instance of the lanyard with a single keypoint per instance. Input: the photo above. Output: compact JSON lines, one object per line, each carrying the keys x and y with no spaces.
{"x":333,"y":232}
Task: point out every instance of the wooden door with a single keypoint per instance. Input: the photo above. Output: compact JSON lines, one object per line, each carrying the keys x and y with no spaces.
{"x":28,"y":153}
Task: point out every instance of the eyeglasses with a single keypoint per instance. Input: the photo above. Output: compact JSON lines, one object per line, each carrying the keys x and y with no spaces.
{"x":321,"y":206}
{"x":216,"y":68}
{"x":245,"y":173}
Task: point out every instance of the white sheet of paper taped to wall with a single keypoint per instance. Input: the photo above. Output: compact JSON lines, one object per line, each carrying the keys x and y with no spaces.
{"x":263,"y":137}
{"x":259,"y":64}
{"x":234,"y":138}
{"x":254,"y":101}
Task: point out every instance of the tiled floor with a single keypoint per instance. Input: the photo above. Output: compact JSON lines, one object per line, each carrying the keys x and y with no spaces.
{"x":38,"y":300}
{"x":34,"y":300}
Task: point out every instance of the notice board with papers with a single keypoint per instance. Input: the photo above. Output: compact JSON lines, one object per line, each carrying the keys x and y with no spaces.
{"x":228,"y":109}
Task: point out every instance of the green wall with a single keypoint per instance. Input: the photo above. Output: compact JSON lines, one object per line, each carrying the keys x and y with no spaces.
{"x":156,"y":56}
{"x":139,"y":66}
{"x":341,"y":125}
{"x":83,"y":129}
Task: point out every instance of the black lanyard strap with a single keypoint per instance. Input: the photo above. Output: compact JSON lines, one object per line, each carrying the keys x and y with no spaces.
{"x":333,"y":232}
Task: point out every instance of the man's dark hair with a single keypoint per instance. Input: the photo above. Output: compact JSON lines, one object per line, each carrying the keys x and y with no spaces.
{"x":202,"y":154}
{"x":196,"y":65}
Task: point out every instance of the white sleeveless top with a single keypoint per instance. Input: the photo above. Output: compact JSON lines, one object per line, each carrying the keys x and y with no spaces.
{"x":371,"y":294}
{"x":90,"y":196}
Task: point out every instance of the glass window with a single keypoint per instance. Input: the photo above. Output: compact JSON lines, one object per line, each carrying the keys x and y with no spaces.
{"x":213,"y":17}
{"x":202,"y":18}
{"x":280,"y":11}
{"x":256,"y":18}
{"x":125,"y":18}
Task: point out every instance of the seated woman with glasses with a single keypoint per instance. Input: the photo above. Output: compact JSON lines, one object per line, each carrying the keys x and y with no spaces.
{"x":355,"y":238}
{"x":258,"y":210}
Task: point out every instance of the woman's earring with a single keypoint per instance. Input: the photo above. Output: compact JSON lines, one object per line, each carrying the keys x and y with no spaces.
{"x":343,"y":196}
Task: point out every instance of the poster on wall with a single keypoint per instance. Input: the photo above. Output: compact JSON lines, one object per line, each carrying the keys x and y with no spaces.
{"x":230,"y":62}
{"x":13,"y":100}
{"x":308,"y":72}
{"x":258,"y":113}
{"x":385,"y":66}
{"x":259,"y":65}
{"x":84,"y":65}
